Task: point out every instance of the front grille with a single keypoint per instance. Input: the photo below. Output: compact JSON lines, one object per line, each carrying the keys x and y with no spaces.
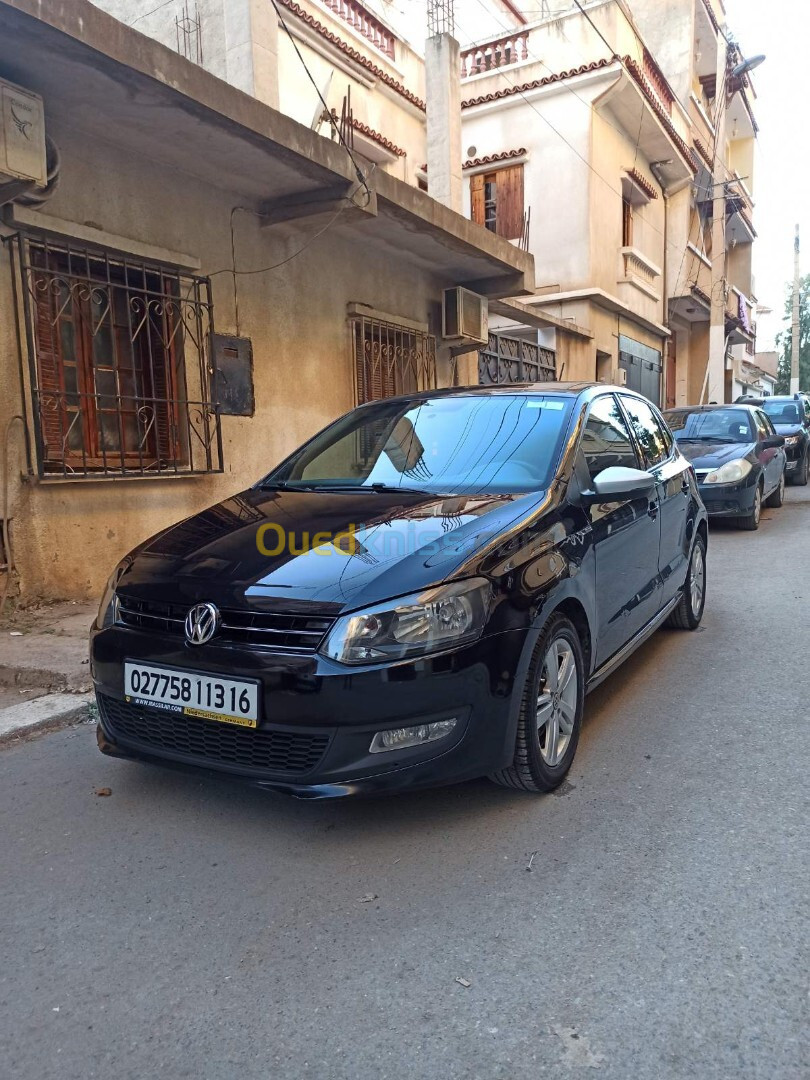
{"x":296,"y":633}
{"x":208,"y":741}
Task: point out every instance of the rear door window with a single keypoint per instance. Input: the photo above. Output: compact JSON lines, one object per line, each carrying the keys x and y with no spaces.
{"x":763,"y":425}
{"x":649,"y":431}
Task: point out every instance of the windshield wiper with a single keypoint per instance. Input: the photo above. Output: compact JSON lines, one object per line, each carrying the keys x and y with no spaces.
{"x":292,"y":485}
{"x":706,"y":438}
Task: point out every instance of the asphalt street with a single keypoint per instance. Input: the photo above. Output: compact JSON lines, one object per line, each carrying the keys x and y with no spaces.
{"x":185,"y":927}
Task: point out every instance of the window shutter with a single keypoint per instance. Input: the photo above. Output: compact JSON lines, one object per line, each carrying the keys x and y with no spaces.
{"x":477,"y":198}
{"x":510,"y":202}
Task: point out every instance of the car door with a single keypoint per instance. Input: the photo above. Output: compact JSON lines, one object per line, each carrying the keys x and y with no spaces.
{"x":671,"y":471}
{"x":625,"y":533}
{"x":771,"y":459}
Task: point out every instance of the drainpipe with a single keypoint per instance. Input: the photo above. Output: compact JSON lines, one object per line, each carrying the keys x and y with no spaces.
{"x":655,"y":169}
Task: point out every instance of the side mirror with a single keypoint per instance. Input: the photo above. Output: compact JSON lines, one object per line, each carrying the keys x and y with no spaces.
{"x":618,"y":482}
{"x":773,"y":443}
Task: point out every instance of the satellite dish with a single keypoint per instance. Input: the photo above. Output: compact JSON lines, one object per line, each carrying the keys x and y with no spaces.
{"x":317,"y":119}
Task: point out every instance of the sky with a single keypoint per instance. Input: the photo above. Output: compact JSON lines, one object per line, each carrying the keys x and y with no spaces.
{"x":781,"y":30}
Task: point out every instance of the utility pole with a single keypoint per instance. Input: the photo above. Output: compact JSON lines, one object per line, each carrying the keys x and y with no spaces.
{"x":794,"y":324}
{"x":715,"y":381}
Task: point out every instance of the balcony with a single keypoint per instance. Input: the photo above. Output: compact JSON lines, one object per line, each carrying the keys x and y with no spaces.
{"x":639,"y":271}
{"x":740,"y":317}
{"x":491,"y":55}
{"x":353,"y":13}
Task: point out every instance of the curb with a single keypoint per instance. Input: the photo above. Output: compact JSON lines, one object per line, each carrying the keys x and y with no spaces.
{"x":15,"y":675}
{"x":45,"y":713}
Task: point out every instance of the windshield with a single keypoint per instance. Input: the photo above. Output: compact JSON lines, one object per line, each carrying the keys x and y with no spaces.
{"x":715,"y":425}
{"x":473,"y":443}
{"x":782,"y":412}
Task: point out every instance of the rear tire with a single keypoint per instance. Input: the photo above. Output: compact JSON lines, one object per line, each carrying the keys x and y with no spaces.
{"x":550,"y":711}
{"x":777,"y":498}
{"x":689,"y":612}
{"x":750,"y":523}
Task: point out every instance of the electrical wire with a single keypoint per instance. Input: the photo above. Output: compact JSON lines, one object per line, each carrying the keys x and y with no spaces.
{"x":595,"y":27}
{"x":146,"y":14}
{"x":357,"y":170}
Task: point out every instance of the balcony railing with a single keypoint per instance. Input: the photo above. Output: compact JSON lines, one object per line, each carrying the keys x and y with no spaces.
{"x":364,"y":23}
{"x":495,"y":54}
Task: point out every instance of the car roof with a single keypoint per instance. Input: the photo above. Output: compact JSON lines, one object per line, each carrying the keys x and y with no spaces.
{"x":751,"y":400}
{"x":742,"y":406}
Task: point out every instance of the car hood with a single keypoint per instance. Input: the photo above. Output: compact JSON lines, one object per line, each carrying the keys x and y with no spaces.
{"x":711,"y":455}
{"x":339,"y":550}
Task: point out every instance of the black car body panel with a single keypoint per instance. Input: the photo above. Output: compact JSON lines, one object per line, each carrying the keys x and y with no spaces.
{"x":602,"y":563}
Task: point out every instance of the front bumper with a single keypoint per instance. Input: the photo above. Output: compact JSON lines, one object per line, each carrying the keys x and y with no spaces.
{"x":317,"y":718}
{"x":728,"y":500}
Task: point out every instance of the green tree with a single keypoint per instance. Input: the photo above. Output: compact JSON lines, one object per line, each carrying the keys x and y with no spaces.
{"x":784,"y":339}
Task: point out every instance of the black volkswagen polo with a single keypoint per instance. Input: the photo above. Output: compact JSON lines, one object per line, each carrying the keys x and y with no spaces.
{"x":422,"y":593}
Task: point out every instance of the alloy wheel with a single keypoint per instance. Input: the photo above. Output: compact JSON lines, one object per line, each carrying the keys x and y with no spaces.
{"x":557,"y":701}
{"x":757,"y":504}
{"x":697,"y":583}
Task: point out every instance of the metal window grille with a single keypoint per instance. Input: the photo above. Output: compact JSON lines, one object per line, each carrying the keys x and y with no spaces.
{"x":512,"y":360}
{"x":390,"y":359}
{"x":118,"y":363}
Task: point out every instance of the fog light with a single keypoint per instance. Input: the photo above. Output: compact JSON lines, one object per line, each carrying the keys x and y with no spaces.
{"x":402,"y":737}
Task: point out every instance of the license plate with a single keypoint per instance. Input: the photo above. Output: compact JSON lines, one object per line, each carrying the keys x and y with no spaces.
{"x":209,"y":697}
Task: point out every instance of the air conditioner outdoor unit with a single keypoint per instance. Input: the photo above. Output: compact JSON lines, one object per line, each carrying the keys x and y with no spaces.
{"x":22,"y":135}
{"x":465,"y":316}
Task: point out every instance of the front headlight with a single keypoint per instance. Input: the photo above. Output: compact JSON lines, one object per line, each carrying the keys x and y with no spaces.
{"x":425,"y":622}
{"x":108,"y":608}
{"x":730,"y":473}
{"x":792,"y":440}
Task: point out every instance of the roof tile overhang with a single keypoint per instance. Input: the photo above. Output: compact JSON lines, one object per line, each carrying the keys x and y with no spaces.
{"x":98,"y":75}
{"x":637,"y":109}
{"x":537,"y":84}
{"x":352,"y":53}
{"x":641,"y":180}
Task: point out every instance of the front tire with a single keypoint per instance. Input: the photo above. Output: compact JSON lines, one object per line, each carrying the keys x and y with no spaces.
{"x":550,"y":711}
{"x":777,"y":498}
{"x":750,"y":523}
{"x":689,"y":612}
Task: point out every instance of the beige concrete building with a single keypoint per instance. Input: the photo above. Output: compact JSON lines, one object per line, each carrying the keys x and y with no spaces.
{"x":575,"y":145}
{"x":712,"y":302}
{"x":371,"y":78}
{"x":198,"y":284}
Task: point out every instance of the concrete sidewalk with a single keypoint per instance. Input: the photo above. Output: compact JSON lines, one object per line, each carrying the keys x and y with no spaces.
{"x":44,"y":667}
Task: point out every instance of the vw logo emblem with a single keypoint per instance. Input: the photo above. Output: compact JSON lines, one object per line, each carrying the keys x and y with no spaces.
{"x":202,"y":622}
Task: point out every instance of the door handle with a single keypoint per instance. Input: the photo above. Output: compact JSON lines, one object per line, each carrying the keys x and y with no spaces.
{"x":652,"y":510}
